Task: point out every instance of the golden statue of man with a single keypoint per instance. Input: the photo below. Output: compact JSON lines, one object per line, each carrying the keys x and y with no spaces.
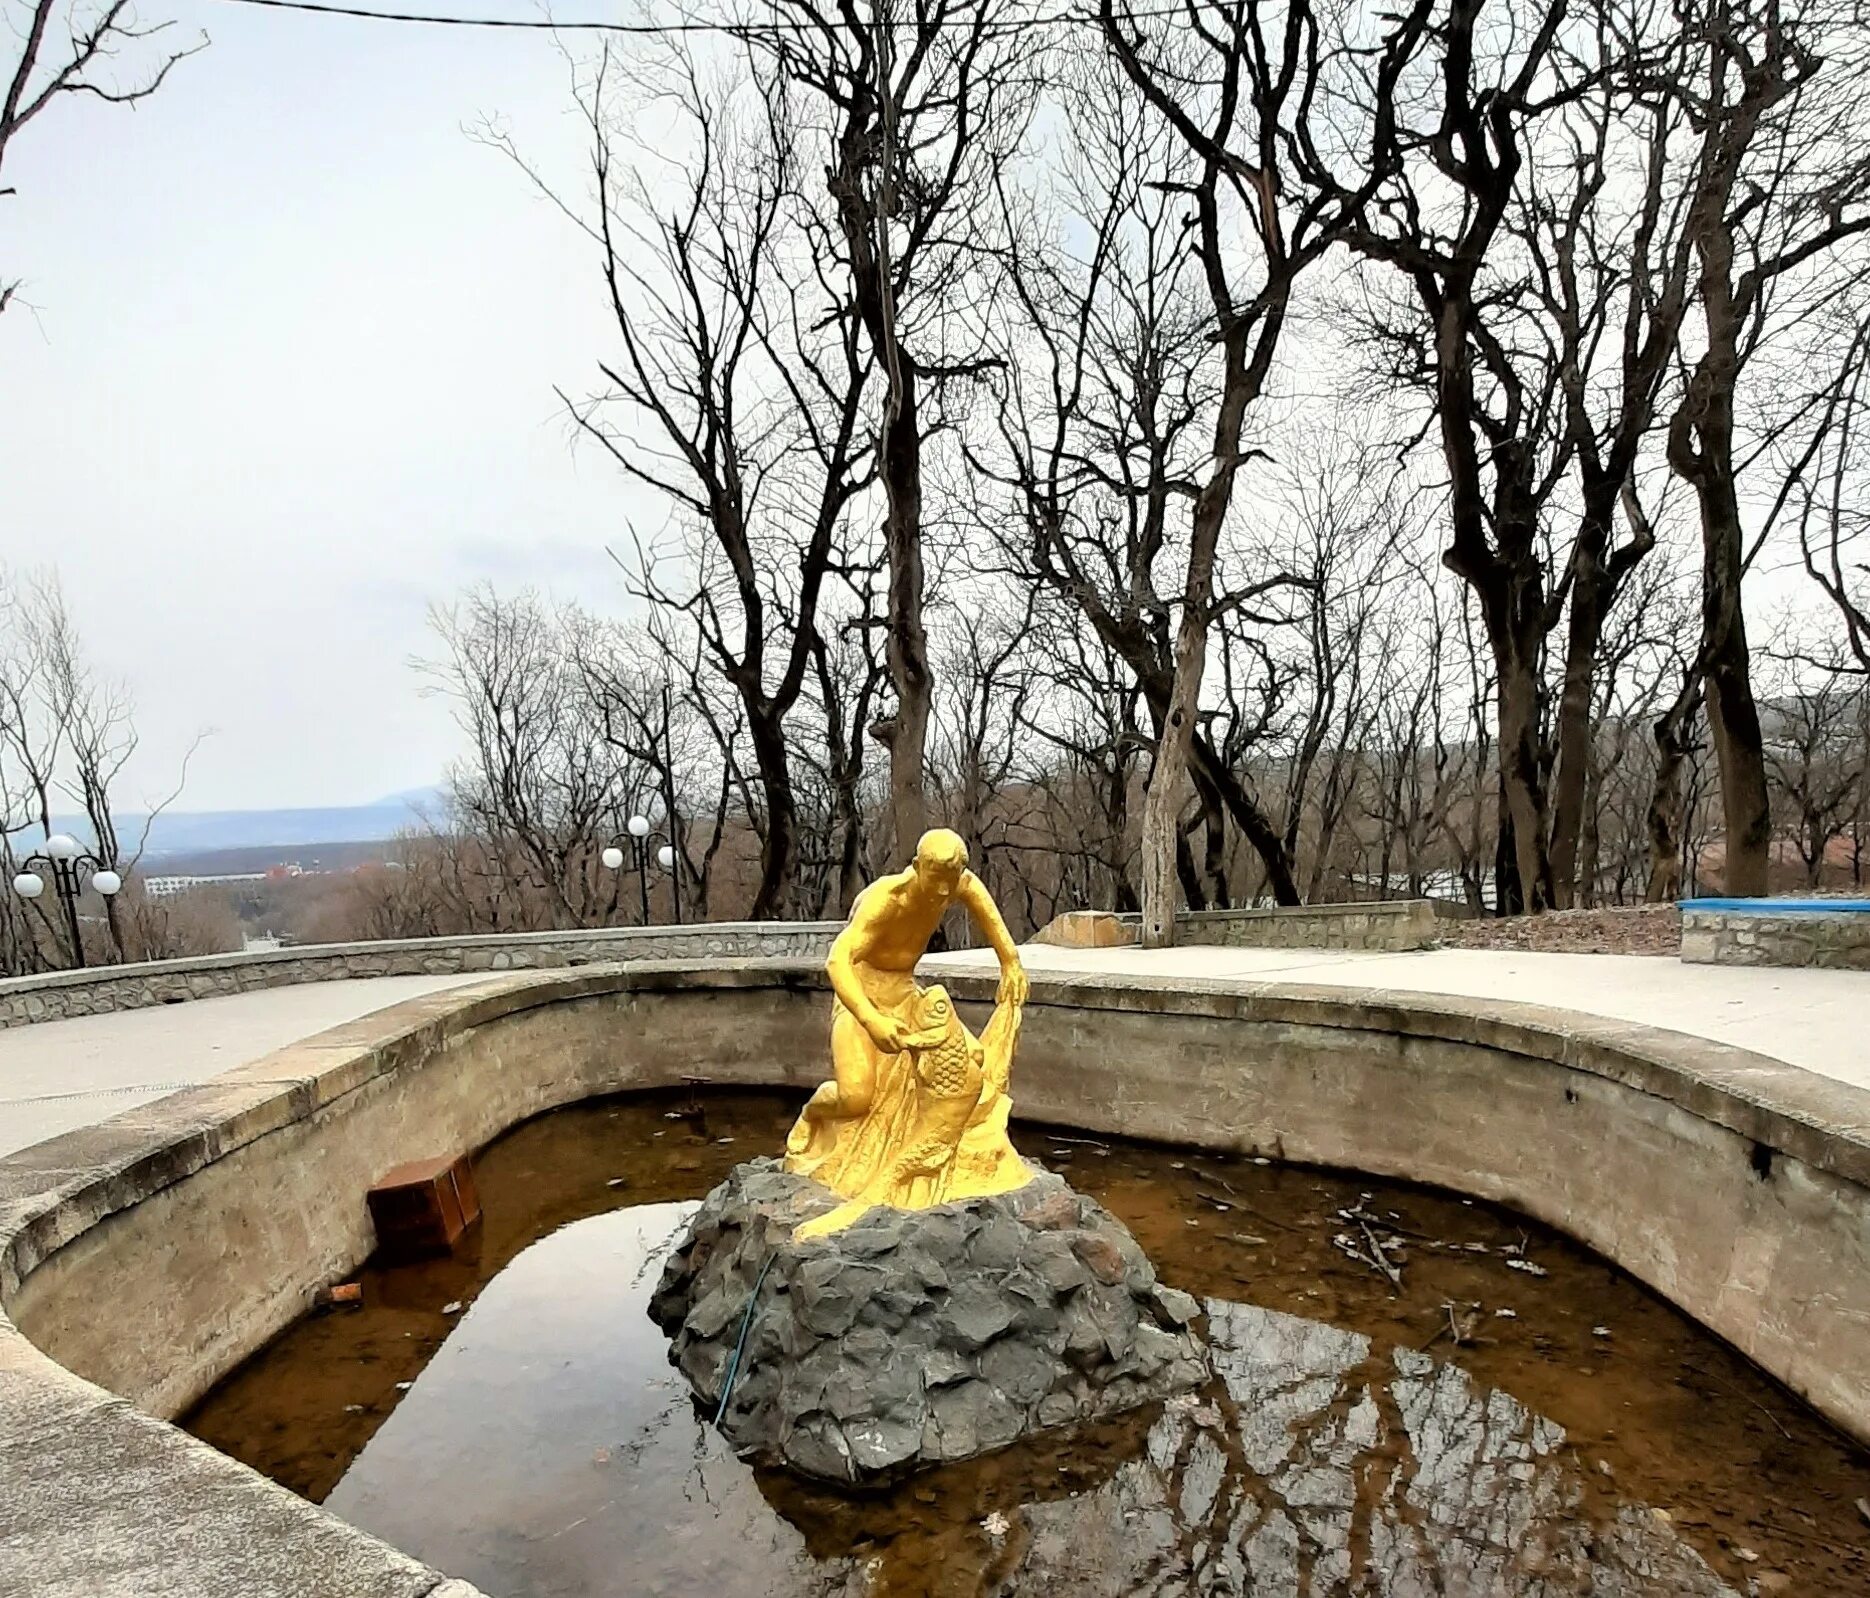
{"x":916,"y":1112}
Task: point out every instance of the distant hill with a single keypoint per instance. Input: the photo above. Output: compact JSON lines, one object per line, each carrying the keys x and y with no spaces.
{"x":178,"y":832}
{"x":259,"y":858}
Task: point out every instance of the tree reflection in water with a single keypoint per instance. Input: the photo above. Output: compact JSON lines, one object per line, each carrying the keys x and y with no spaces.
{"x":1312,"y":1467}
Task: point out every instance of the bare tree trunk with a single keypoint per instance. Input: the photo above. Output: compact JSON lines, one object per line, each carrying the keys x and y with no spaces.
{"x":1509,"y":893}
{"x":1522,"y":789}
{"x":1168,"y":778}
{"x":1185,"y":870}
{"x":1254,"y":823}
{"x":1214,"y":841}
{"x":1733,"y":716}
{"x":1590,"y":847}
{"x":905,"y":734}
{"x":1701,"y":451}
{"x":779,"y":849}
{"x":1591,"y":596}
{"x":1666,"y":803}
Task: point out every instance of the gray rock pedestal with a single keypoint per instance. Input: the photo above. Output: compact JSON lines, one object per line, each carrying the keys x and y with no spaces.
{"x":914,"y":1338}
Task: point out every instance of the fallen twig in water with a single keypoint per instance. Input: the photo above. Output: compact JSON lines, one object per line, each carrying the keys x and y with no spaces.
{"x":1384,"y":1263}
{"x":1372,"y":1255}
{"x":1362,"y":1212}
{"x":1264,"y":1218}
{"x":1459,"y":1327}
{"x":1715,"y":1381}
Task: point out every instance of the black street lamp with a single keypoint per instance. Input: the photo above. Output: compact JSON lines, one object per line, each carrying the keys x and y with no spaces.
{"x":640,"y":833}
{"x":68,"y":865}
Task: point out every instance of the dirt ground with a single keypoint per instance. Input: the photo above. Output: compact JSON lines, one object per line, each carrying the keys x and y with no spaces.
{"x":1628,"y":929}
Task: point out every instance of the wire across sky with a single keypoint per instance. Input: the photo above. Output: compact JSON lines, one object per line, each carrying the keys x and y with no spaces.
{"x":732,"y":29}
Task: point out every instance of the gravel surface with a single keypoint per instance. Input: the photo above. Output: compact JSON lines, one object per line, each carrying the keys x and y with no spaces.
{"x":1626,"y":929}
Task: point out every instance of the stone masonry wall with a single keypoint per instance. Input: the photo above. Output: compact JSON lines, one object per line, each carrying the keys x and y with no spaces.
{"x":1395,"y":925}
{"x":97,"y":989}
{"x":1838,"y":942}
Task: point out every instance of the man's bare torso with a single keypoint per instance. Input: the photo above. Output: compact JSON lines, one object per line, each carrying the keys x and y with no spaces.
{"x":893,"y":920}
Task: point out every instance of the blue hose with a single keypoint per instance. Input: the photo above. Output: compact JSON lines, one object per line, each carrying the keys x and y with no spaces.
{"x":740,"y":1343}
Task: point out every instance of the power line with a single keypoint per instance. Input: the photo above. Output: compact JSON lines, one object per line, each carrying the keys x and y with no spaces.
{"x":539,"y":23}
{"x":734,"y":29}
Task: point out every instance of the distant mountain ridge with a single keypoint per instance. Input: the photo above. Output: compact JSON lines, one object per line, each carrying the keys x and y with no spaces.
{"x":192,"y":831}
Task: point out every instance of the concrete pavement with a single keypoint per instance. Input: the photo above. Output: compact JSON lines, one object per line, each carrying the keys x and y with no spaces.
{"x":59,"y":1075}
{"x":1819,"y":1020}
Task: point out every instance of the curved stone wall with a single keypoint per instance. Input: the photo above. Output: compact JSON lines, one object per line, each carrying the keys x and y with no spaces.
{"x":148,"y":1255}
{"x":54,"y":995}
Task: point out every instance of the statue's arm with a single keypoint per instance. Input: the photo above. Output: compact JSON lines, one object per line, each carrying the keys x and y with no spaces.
{"x":841,"y":966}
{"x":973,"y":893}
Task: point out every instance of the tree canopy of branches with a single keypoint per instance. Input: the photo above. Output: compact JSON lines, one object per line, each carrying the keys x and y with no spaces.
{"x":67,"y":49}
{"x":1264,"y":451}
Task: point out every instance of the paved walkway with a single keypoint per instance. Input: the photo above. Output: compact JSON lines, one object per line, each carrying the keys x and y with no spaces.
{"x":64,"y":1074}
{"x":1816,"y":1019}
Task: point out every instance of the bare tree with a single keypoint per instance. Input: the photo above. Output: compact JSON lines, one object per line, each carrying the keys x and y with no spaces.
{"x":1780,"y":185}
{"x":1238,"y":84}
{"x":1817,"y":757}
{"x":540,"y":790}
{"x":1597,"y":252}
{"x":1536,"y":284}
{"x":63,"y":48}
{"x":918,"y":109}
{"x":1826,"y":470}
{"x":737,"y":395}
{"x":66,"y":736}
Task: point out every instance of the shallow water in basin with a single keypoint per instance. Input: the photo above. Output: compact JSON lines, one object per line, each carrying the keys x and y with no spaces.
{"x":509,"y":1415}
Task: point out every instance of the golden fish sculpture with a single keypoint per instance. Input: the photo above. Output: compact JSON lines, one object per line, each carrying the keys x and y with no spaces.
{"x":916,"y":1111}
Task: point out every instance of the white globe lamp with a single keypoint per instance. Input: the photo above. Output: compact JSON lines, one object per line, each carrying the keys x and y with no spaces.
{"x":639,"y":827}
{"x":62,"y":846}
{"x":665,"y":857}
{"x":29,"y":885}
{"x":612,"y":858}
{"x":106,"y":882}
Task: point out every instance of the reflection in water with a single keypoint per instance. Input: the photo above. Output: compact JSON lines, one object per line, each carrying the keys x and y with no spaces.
{"x":1319,"y":1467}
{"x":548,"y":1449}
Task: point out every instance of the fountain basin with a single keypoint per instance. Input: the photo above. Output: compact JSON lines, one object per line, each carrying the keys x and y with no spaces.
{"x":1736,"y":1187}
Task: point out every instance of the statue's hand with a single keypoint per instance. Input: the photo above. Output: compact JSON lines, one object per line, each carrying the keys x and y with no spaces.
{"x":890,"y":1033}
{"x":1013,"y":985}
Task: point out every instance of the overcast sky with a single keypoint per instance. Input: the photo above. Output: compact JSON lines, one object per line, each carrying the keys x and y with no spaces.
{"x":286,"y":376}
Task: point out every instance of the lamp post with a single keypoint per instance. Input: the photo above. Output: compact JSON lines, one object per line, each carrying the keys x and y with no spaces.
{"x":68,"y":865}
{"x":640,"y":832}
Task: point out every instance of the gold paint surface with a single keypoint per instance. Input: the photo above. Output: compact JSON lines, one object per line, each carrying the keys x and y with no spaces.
{"x":916,"y":1111}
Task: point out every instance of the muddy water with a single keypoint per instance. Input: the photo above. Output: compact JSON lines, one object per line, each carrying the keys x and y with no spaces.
{"x":1482,"y":1429}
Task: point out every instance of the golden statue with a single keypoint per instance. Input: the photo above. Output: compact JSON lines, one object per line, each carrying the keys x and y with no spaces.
{"x":917,"y":1109}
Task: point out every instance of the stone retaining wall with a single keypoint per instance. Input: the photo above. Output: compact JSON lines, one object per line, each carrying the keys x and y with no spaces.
{"x":146,"y":1256}
{"x":95,"y":989}
{"x":1396,"y":925}
{"x":1836,"y":940}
